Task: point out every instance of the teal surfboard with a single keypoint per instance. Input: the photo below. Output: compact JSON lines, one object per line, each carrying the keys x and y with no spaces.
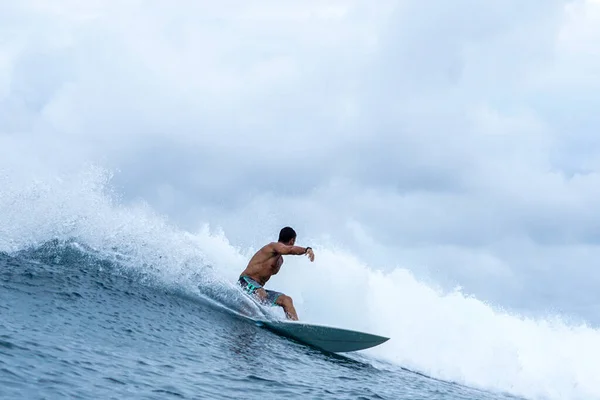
{"x":327,"y":338}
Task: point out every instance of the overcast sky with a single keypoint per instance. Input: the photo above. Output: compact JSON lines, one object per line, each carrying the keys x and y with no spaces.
{"x":458,"y":139}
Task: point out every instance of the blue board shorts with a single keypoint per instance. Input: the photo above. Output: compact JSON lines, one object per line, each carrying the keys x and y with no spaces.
{"x":250,"y":286}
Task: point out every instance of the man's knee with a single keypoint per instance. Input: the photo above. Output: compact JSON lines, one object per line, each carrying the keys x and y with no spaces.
{"x":284,"y":300}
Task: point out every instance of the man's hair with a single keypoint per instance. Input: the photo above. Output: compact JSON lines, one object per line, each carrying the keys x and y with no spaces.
{"x":286,"y":234}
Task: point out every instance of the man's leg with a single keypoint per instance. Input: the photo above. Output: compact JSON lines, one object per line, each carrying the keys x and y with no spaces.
{"x":262,"y":295}
{"x":282,"y":300}
{"x":288,"y":306}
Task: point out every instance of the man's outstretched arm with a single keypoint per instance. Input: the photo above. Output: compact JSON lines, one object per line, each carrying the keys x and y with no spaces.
{"x":284,"y":249}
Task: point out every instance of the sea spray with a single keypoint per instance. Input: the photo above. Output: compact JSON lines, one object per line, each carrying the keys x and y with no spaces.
{"x":447,"y":335}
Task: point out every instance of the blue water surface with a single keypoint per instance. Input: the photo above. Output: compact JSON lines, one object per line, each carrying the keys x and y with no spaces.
{"x":74,"y":326}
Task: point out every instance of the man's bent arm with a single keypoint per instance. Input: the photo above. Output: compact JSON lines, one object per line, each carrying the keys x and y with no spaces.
{"x":286,"y":249}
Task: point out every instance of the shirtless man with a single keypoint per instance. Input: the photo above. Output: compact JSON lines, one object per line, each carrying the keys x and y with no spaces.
{"x":266,"y":263}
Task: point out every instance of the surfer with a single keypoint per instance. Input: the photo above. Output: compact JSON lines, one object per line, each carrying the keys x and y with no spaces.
{"x":266,"y":263}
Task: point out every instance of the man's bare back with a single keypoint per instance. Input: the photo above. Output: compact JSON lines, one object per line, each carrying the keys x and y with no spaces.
{"x":266,"y":263}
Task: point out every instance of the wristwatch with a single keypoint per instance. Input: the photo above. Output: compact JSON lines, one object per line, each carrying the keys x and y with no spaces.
{"x":307,"y":249}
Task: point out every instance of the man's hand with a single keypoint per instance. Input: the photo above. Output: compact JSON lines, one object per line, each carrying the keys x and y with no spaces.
{"x":310,"y":255}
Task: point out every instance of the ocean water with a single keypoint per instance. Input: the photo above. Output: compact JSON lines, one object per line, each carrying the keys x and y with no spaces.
{"x":104,"y":300}
{"x":74,"y":326}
